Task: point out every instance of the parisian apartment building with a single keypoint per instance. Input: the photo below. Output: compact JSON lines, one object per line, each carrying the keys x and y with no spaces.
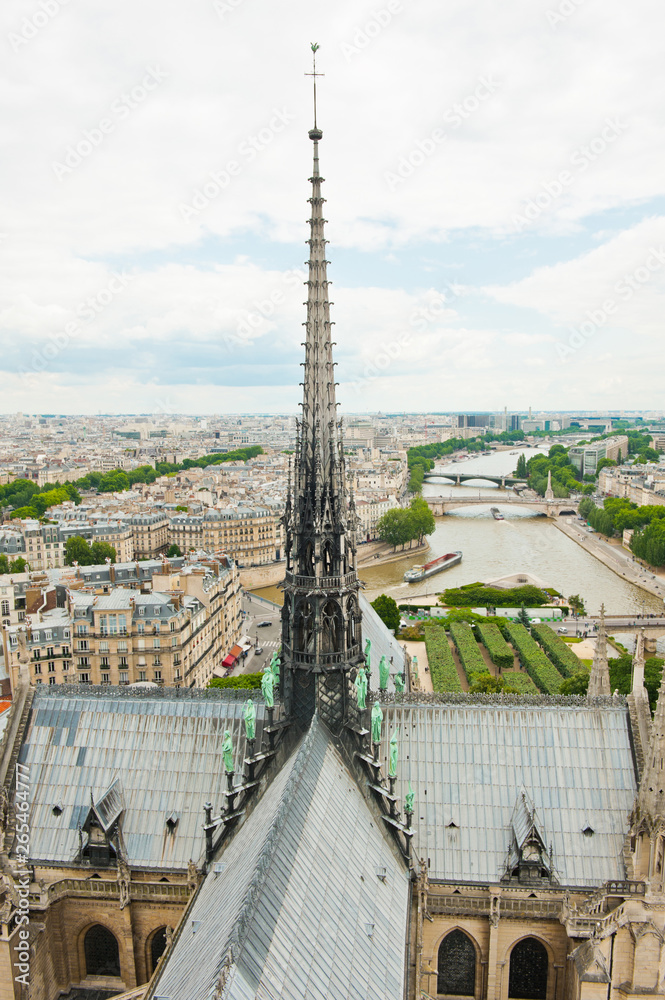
{"x":168,"y":625}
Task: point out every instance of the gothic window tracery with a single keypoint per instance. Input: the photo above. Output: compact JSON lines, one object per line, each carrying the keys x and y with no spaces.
{"x":528,"y":970}
{"x":304,"y":627}
{"x":457,"y":966}
{"x":331,"y":628}
{"x":102,"y":956}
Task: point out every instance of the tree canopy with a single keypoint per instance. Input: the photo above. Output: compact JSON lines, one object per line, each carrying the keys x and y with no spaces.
{"x":78,"y":550}
{"x":387,"y":610}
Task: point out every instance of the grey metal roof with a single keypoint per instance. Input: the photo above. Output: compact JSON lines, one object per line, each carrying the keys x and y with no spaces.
{"x":165,"y":746}
{"x":299,"y":909}
{"x":383,"y":644}
{"x":467,"y":764}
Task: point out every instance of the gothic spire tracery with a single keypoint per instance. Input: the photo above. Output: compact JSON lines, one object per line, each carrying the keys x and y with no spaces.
{"x":320,"y":619}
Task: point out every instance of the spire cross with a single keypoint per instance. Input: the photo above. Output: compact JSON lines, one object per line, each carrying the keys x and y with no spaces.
{"x":314,"y":74}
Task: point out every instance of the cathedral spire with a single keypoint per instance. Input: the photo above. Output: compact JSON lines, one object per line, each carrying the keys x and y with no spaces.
{"x":599,"y":681}
{"x":651,"y":796}
{"x":321,"y":618}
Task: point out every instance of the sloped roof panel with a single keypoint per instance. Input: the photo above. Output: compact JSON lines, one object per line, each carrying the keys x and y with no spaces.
{"x":111,"y":733}
{"x":471,"y":760}
{"x":299,"y":911}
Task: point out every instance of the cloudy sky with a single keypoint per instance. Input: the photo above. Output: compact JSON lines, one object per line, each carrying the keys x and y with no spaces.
{"x":495,"y":179}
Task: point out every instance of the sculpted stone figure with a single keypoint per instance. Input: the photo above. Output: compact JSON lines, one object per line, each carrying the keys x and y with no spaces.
{"x":361,"y":688}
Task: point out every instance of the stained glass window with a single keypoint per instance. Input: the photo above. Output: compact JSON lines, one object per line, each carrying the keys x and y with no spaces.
{"x":528,"y":971}
{"x":457,"y":966}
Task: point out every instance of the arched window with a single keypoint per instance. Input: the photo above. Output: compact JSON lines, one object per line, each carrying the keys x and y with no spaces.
{"x":457,"y":966}
{"x":101,"y":952}
{"x":157,"y":947}
{"x":528,"y":971}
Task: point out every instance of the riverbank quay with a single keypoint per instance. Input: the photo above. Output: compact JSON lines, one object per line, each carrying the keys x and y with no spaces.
{"x":614,"y":557}
{"x":378,"y":553}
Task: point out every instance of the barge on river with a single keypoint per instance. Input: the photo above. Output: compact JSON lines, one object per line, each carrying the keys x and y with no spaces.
{"x":418,"y":573}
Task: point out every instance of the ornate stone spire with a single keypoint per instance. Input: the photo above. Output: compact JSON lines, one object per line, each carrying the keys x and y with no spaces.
{"x":638,"y":665}
{"x":599,"y":681}
{"x":321,"y":616}
{"x":549,"y":492}
{"x":651,"y":795}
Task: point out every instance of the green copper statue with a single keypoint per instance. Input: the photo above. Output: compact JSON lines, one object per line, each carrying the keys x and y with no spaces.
{"x":394,"y":753}
{"x":377,"y":719}
{"x":368,"y":646}
{"x":399,"y":683}
{"x":274,"y":666}
{"x":250,"y":719}
{"x":410,"y":796}
{"x":384,"y":674}
{"x":361,"y":688}
{"x":267,"y":687}
{"x":227,"y":752}
{"x":415,"y":664}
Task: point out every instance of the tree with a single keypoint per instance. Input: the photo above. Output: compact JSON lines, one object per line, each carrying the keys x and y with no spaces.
{"x":100,"y":552}
{"x":577,"y":683}
{"x":577,"y":604}
{"x":523,"y":617}
{"x":387,"y":610}
{"x":4,"y":564}
{"x":174,"y":550}
{"x":77,"y":550}
{"x":486,"y":684}
{"x":586,"y":506}
{"x":17,"y":565}
{"x":520,"y":471}
{"x":396,"y":527}
{"x":422,"y":519}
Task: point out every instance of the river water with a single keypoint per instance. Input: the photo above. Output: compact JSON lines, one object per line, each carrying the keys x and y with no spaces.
{"x":522,"y":542}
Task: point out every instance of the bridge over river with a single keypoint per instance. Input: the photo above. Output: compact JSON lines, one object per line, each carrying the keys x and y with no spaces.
{"x":550,"y":508}
{"x":464,"y":477}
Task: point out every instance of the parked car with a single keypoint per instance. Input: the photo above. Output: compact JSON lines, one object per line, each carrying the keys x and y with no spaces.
{"x":264,"y":624}
{"x":562,"y":631}
{"x":259,"y":649}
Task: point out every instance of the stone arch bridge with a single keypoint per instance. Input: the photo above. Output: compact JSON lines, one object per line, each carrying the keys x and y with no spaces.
{"x":550,"y":508}
{"x":464,"y":477}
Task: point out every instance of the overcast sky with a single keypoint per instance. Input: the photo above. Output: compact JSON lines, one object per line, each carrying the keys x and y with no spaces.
{"x":494,"y":175}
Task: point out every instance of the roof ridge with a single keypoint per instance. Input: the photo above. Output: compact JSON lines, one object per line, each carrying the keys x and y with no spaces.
{"x":267,"y":852}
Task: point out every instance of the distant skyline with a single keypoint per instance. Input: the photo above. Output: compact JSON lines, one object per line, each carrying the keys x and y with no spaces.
{"x":495,"y":179}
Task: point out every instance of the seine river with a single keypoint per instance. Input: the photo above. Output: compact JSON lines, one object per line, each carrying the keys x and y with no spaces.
{"x":521,"y":543}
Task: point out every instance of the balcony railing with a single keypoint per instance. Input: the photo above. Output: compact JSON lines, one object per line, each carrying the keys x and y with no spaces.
{"x":321,"y":582}
{"x":322,"y":660}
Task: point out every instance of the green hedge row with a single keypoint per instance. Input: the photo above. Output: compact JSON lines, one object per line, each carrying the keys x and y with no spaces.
{"x":522,"y":682}
{"x":441,"y":664}
{"x":543,"y":673}
{"x":467,"y":647}
{"x":500,"y":652}
{"x":559,"y":652}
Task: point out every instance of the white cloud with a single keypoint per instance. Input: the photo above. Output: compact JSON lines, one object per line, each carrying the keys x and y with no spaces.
{"x":160,"y":100}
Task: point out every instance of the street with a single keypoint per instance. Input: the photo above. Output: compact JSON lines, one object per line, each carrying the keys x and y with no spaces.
{"x":256,"y":610}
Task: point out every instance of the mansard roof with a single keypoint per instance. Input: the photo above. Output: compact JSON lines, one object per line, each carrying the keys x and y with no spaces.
{"x":311,"y":901}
